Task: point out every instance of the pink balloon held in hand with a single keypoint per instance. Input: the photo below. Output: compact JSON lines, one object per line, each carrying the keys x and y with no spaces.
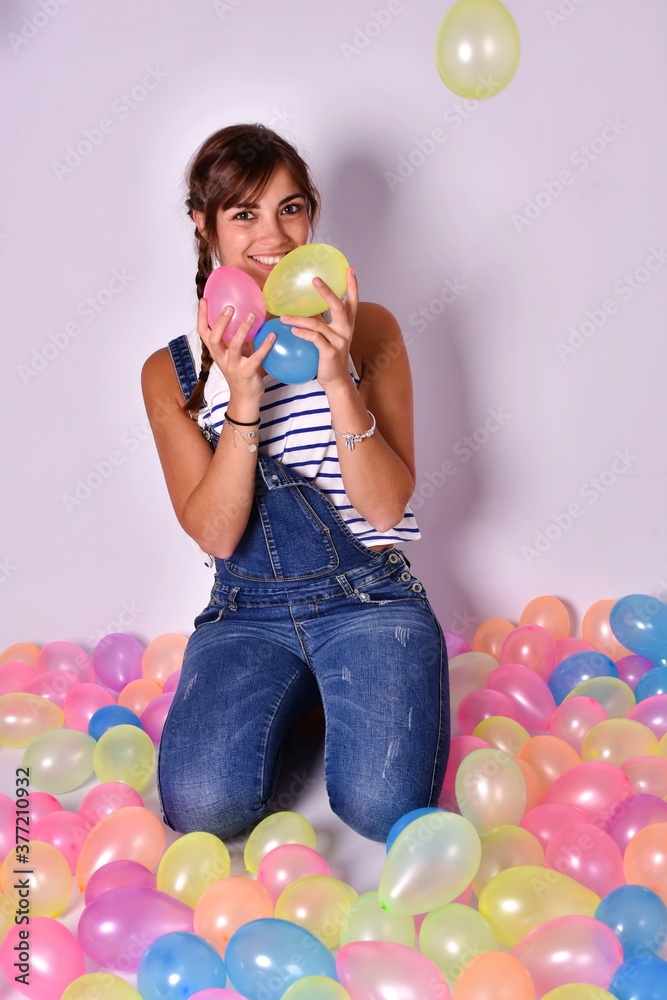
{"x":231,"y":286}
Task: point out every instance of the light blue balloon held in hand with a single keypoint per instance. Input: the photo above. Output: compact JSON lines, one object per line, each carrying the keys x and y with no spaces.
{"x":291,"y":359}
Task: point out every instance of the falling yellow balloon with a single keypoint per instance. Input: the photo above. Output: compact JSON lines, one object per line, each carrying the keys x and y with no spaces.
{"x":125,"y":753}
{"x":477,"y":48}
{"x":273,"y":831}
{"x":289,"y":287}
{"x":191,"y":864}
{"x":101,"y":986}
{"x":25,"y":716}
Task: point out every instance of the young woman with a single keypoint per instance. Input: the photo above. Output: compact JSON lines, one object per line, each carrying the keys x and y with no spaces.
{"x":300,"y":495}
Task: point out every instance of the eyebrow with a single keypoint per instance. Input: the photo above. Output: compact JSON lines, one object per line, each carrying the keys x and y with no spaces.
{"x":248,"y":204}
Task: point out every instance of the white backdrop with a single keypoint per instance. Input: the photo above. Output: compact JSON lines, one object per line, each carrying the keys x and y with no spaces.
{"x":521,"y":242}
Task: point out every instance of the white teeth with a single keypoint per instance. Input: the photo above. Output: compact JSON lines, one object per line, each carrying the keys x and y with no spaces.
{"x":268,"y":260}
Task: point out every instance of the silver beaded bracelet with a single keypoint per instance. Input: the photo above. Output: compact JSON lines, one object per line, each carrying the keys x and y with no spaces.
{"x":352,"y":439}
{"x":250,"y":444}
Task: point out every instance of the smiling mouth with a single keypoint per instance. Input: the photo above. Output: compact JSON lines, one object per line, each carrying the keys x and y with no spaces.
{"x":268,"y":259}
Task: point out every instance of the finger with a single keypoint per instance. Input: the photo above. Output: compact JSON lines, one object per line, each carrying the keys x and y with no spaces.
{"x":264,"y":348}
{"x":237,"y":341}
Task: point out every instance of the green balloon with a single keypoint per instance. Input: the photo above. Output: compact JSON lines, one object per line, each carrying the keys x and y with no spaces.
{"x":453,"y":935}
{"x":125,"y":753}
{"x":60,"y":760}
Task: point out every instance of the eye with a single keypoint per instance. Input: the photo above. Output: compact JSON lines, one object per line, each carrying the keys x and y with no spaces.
{"x":244,"y":212}
{"x":297,"y":206}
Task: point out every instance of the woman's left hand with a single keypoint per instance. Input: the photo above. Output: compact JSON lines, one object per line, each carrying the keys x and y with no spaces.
{"x":332,"y":339}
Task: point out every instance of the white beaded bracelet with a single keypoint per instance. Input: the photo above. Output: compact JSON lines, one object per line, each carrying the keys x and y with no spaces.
{"x":352,"y":439}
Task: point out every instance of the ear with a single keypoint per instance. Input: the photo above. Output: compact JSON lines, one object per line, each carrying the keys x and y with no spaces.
{"x":198,"y":218}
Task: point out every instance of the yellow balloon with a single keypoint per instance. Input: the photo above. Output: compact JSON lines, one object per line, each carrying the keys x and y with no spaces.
{"x":578,"y":991}
{"x":616,"y":697}
{"x":191,"y":864}
{"x":468,"y":672}
{"x":506,"y":847}
{"x":519,"y":899}
{"x":453,"y":935}
{"x":25,"y":716}
{"x":289,"y":289}
{"x":100,"y":986}
{"x":48,"y":878}
{"x":316,"y":988}
{"x":367,"y":921}
{"x":616,"y":740}
{"x":490,"y":791}
{"x":477,"y":48}
{"x":319,"y":903}
{"x":60,"y":761}
{"x":7,"y":916}
{"x":125,"y":753}
{"x":273,"y":831}
{"x":503,"y":733}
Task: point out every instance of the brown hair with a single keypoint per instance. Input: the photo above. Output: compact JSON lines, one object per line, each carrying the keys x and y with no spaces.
{"x":232,"y":166}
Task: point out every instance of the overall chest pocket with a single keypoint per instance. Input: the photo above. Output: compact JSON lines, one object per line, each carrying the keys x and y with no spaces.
{"x":284,"y":539}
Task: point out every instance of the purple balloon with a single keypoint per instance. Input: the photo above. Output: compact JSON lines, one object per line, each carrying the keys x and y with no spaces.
{"x":632,"y":668}
{"x":116,"y":874}
{"x":117,"y":660}
{"x":171,"y":682}
{"x":116,"y":927}
{"x":153,"y":716}
{"x":455,"y":644}
{"x":651,"y":712}
{"x":632,"y":814}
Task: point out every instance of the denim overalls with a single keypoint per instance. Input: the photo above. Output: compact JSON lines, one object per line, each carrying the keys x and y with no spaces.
{"x":303,"y":610}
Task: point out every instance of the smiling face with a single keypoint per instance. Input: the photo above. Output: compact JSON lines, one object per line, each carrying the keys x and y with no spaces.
{"x":254,"y":237}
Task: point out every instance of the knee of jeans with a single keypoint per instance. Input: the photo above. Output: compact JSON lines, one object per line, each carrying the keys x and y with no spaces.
{"x":368,"y":816}
{"x":189,"y":807}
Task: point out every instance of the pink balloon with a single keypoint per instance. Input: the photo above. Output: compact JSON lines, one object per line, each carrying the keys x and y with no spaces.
{"x":65,"y":656}
{"x":532,"y":646}
{"x":82,"y":702}
{"x":459,"y":747}
{"x":171,"y":682}
{"x":568,"y":646}
{"x":154,"y":715}
{"x":547,"y":820}
{"x":531,"y":696}
{"x":54,"y":685}
{"x":66,"y":831}
{"x":632,"y":668}
{"x":106,"y":798}
{"x":117,"y":659}
{"x":455,"y":644}
{"x":574,"y":718}
{"x":588,"y":855}
{"x":55,"y":958}
{"x":231,"y":286}
{"x":567,"y":950}
{"x":286,"y":863}
{"x":382,"y":970}
{"x":41,"y":804}
{"x":15,"y":676}
{"x":648,"y":775}
{"x":7,"y":826}
{"x":632,"y":815}
{"x":115,"y":874}
{"x":480,"y":705}
{"x":595,"y":787}
{"x":116,"y":928}
{"x":652,"y":712}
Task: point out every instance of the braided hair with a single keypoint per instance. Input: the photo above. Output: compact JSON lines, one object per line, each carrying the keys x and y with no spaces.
{"x":232,"y":166}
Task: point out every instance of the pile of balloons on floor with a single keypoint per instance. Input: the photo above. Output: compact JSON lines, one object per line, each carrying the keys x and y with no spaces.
{"x":542,"y":873}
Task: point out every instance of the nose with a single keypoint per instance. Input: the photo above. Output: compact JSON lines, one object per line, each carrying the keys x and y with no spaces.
{"x":273,"y":233}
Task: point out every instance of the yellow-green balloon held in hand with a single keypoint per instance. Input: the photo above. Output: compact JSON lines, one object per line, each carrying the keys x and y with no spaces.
{"x":367,"y":921}
{"x":60,"y":761}
{"x":289,"y":288}
{"x":280,"y":828}
{"x":127,"y":754}
{"x":25,"y":716}
{"x":429,"y":864}
{"x":191,"y":864}
{"x":477,"y":48}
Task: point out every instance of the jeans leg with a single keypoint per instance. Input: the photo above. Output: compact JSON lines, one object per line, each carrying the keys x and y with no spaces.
{"x":238,"y":694}
{"x":383,"y":679}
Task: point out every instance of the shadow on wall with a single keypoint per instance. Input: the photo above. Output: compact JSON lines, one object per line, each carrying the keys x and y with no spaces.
{"x":359,"y":216}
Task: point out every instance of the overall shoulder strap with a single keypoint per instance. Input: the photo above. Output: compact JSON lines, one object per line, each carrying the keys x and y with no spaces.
{"x":184,"y":363}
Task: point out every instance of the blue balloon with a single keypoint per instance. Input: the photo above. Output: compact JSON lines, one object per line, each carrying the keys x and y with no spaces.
{"x":405,"y":820}
{"x":640,"y":623}
{"x":638,"y":918}
{"x":579,"y":667}
{"x":177,"y":965}
{"x":654,"y":682}
{"x":290,"y":360}
{"x":640,"y":978}
{"x":266,"y":956}
{"x":111,"y":715}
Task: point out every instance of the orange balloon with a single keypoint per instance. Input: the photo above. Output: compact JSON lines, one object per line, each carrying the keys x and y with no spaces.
{"x":596,"y":630}
{"x":549,"y":757}
{"x":645,"y":859}
{"x":26,"y":652}
{"x":490,"y":636}
{"x":533,"y":785}
{"x":548,"y":612}
{"x":136,"y":695}
{"x":494,"y":975}
{"x":133,"y":833}
{"x":227,"y":905}
{"x":163,"y":656}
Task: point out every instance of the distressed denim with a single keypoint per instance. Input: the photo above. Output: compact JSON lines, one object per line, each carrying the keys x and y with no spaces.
{"x":304,"y":611}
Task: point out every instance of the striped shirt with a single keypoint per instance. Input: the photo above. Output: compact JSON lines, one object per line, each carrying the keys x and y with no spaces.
{"x":296,"y":431}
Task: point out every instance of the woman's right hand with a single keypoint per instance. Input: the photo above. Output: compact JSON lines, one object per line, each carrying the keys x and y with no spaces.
{"x":237,"y":361}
